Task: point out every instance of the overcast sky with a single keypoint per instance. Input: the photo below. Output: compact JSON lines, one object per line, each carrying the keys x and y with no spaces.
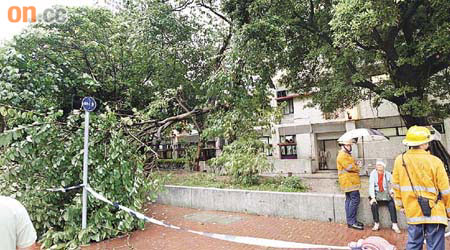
{"x":9,"y":29}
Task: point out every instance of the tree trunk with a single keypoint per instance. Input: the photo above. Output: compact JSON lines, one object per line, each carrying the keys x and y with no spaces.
{"x":2,"y":123}
{"x":198,"y":155}
{"x":411,"y":121}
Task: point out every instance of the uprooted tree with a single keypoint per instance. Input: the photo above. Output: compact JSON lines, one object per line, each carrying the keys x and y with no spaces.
{"x":334,"y":49}
{"x":152,"y":69}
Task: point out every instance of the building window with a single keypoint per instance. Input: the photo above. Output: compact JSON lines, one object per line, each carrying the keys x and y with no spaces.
{"x":267,"y":140}
{"x":439,"y":127}
{"x":289,"y":108}
{"x":165,"y":151}
{"x":288,"y":147}
{"x":289,"y":103}
{"x":393,"y":131}
{"x":209,"y":151}
{"x":332,"y":115}
{"x":281,"y":93}
{"x":401,"y":130}
{"x":181,"y":151}
{"x":389,"y":131}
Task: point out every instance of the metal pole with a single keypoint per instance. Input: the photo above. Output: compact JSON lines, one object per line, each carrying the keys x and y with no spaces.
{"x":364,"y":159}
{"x":85,"y":170}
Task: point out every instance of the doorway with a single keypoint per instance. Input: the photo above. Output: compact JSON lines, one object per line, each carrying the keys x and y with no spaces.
{"x":328,"y":151}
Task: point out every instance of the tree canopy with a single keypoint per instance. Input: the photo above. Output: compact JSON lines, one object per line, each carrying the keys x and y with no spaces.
{"x":334,"y":49}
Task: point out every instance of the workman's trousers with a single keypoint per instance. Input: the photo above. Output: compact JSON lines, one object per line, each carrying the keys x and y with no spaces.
{"x":351,"y":206}
{"x":433,"y":233}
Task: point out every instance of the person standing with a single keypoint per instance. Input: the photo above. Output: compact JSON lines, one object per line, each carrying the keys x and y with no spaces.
{"x":349,"y":181}
{"x":421,"y":191}
{"x":16,"y":228}
{"x":379,"y":194}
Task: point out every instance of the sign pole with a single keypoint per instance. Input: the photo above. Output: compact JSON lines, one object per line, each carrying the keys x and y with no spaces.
{"x":88,"y":104}
{"x":85,"y":169}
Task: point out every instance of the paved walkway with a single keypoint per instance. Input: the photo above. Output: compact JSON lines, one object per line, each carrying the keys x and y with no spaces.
{"x":157,"y":237}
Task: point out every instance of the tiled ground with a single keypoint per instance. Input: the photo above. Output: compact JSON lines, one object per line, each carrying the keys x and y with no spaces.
{"x":157,"y":237}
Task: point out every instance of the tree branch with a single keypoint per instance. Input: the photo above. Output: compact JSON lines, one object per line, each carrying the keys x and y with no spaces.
{"x":365,"y":47}
{"x":89,"y":66}
{"x":311,"y":12}
{"x":143,"y":144}
{"x":377,"y":37}
{"x":387,"y":46}
{"x":183,"y":6}
{"x":410,"y":12}
{"x":187,"y":110}
{"x":159,"y":126}
{"x":433,"y":64}
{"x":226,"y":43}
{"x":2,"y":123}
{"x":313,"y":29}
{"x":202,"y":4}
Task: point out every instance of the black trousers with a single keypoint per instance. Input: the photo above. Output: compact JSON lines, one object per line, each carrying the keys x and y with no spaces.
{"x":392,"y":212}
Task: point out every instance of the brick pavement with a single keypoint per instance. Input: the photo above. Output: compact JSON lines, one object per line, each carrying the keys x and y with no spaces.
{"x":157,"y":237}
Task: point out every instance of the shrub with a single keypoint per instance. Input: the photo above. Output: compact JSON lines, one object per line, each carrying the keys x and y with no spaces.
{"x":177,"y":163}
{"x":49,"y":154}
{"x":293,"y":183}
{"x":243,"y":160}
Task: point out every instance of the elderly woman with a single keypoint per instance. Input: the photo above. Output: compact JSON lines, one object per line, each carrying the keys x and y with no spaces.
{"x":379,"y":194}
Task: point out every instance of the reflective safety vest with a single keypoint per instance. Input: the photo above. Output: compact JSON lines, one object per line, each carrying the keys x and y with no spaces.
{"x":348,"y":172}
{"x":428,"y":179}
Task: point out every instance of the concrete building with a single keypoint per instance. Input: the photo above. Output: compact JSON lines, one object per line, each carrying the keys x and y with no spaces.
{"x":306,"y":139}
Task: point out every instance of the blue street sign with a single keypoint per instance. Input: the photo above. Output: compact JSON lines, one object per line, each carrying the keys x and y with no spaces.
{"x":88,"y":104}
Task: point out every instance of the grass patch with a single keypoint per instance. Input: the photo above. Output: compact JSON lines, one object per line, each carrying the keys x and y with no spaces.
{"x":196,"y":179}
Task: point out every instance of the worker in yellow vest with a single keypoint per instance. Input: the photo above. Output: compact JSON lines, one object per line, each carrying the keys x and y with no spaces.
{"x":348,"y":172}
{"x":421,"y":191}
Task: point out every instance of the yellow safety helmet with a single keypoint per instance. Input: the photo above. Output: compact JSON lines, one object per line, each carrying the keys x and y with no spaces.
{"x":417,"y":135}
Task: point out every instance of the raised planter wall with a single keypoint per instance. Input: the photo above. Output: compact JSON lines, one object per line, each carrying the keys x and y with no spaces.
{"x":305,"y":206}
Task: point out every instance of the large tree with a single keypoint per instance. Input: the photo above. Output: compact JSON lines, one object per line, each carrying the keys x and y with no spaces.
{"x":156,"y":63}
{"x":334,"y":49}
{"x":152,"y":68}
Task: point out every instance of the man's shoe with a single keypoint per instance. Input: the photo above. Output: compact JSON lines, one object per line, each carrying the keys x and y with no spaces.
{"x":356,"y":226}
{"x":376,"y":226}
{"x":360,"y":223}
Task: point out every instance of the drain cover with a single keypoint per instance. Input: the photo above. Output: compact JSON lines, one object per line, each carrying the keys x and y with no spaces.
{"x":206,"y":217}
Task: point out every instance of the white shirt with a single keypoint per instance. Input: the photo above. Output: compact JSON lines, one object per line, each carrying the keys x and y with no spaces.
{"x":16,"y":228}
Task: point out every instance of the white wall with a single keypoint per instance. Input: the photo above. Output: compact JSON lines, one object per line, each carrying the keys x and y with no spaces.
{"x":386,"y":150}
{"x":446,"y":139}
{"x":307,"y":115}
{"x":386,"y":109}
{"x":296,"y":166}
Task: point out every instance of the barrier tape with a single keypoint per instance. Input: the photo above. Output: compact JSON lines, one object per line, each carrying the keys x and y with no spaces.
{"x":237,"y":239}
{"x":232,"y":238}
{"x":64,"y":189}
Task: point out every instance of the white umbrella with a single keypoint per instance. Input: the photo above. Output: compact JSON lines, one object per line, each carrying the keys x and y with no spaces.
{"x":366,"y":135}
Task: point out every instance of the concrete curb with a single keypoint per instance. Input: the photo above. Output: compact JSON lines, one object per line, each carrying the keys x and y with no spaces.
{"x":305,"y":206}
